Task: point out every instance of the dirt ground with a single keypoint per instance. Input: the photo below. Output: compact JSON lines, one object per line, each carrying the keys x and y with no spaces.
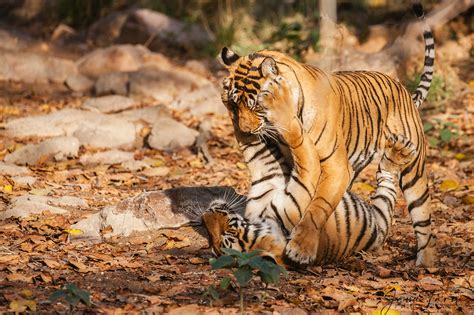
{"x":167,"y":272}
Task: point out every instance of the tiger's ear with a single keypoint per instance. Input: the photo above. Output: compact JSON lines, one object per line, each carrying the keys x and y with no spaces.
{"x":228,"y":57}
{"x":269,"y":67}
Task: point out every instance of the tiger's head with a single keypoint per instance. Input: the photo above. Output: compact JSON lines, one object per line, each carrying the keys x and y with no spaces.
{"x":242,"y":87}
{"x":228,"y":229}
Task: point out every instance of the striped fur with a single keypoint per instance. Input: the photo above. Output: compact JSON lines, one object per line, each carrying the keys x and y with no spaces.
{"x":307,"y":134}
{"x":353,"y":227}
{"x":422,"y":90}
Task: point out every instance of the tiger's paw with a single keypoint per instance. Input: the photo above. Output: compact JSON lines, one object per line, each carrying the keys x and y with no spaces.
{"x":426,"y":257}
{"x":276,"y":99}
{"x":399,"y":151}
{"x":302,"y":248}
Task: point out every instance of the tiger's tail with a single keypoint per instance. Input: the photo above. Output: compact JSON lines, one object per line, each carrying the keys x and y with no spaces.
{"x":426,"y":77}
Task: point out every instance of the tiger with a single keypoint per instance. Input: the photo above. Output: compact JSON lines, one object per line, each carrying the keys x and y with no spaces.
{"x":321,"y":130}
{"x":354,"y":226}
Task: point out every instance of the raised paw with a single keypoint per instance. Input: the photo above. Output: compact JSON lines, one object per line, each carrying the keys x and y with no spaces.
{"x":280,"y":110}
{"x":398,"y":152}
{"x":302,"y":247}
{"x":276,"y":99}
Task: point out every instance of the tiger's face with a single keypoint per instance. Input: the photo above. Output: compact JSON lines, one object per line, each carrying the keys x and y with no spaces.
{"x":242,"y":87}
{"x":224,"y":227}
{"x":228,"y":229}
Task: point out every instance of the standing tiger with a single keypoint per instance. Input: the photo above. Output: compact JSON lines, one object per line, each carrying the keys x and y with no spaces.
{"x":354,"y":226}
{"x":327,"y":128}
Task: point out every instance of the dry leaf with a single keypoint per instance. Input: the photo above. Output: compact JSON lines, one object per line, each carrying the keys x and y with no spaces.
{"x":74,"y":232}
{"x":52,"y":264}
{"x":9,"y":259}
{"x":448,"y":185}
{"x":19,"y":277}
{"x":241,"y":166}
{"x":21,"y":305}
{"x":360,"y":186}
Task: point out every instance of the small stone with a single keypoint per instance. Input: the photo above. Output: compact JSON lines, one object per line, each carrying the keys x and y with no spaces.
{"x":57,"y":148}
{"x":109,"y":103}
{"x":168,"y":134}
{"x":13,"y":170}
{"x":106,"y":158}
{"x":134,"y":165}
{"x":383,"y":272}
{"x":156,"y":171}
{"x":24,"y":206}
{"x":24,"y":181}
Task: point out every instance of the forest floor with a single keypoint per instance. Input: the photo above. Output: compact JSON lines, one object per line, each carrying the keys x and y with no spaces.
{"x":166,"y":273}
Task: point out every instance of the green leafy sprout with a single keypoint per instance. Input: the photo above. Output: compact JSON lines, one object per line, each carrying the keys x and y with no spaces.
{"x":243,"y":266}
{"x":72,"y":295}
{"x":440,"y":133}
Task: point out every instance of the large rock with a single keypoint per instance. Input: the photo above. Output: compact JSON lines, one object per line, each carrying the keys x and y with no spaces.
{"x":168,"y":134}
{"x":165,"y":84}
{"x":204,"y":100}
{"x":112,"y":83}
{"x":57,"y":148}
{"x":92,"y":129}
{"x":79,"y":83}
{"x":171,"y":208}
{"x":162,"y":31}
{"x":24,"y":206}
{"x":109,"y":103}
{"x":146,"y":114}
{"x":34,"y":68}
{"x":119,"y":58}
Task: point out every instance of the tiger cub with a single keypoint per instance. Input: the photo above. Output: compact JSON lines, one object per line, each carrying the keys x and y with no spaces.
{"x":322,"y":129}
{"x":353,"y":227}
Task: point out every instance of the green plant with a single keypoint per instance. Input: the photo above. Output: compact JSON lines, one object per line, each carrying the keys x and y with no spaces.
{"x":243,"y":266}
{"x":440,"y":133}
{"x":72,"y":295}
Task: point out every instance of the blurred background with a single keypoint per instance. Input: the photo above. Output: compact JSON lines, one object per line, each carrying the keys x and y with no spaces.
{"x":102,"y":100}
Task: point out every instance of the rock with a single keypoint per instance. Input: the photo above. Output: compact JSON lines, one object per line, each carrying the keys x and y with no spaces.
{"x":24,"y":181}
{"x":93,"y":129}
{"x":24,"y":206}
{"x":143,"y":24}
{"x":164,"y":84}
{"x":134,"y":165}
{"x":168,"y":134}
{"x":204,"y":100}
{"x":34,"y":68}
{"x":112,"y":83}
{"x":109,"y":103}
{"x":108,"y":134}
{"x":147,"y":114}
{"x":57,"y":148}
{"x":198,"y":67}
{"x":147,"y":211}
{"x":106,"y":30}
{"x":156,"y":171}
{"x":119,"y":58}
{"x":79,"y":83}
{"x":13,"y":170}
{"x":106,"y":158}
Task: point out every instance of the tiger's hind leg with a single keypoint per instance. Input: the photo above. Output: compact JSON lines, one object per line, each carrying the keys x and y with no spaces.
{"x":414,"y":185}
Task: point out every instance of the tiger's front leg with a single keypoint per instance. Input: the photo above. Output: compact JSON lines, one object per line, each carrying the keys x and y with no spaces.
{"x":302,"y":248}
{"x":289,"y":204}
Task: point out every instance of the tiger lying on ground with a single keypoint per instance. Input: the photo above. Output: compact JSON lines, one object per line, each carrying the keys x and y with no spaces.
{"x":353,"y":227}
{"x":331,"y":127}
